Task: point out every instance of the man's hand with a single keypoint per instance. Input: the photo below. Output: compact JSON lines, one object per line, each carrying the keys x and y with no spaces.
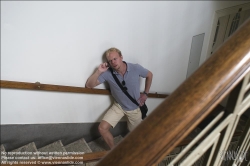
{"x":103,"y":67}
{"x":93,"y":79}
{"x":142,"y":99}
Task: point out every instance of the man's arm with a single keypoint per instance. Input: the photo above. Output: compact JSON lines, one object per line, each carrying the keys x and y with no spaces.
{"x":148,"y":81}
{"x":143,"y":96}
{"x":93,"y":81}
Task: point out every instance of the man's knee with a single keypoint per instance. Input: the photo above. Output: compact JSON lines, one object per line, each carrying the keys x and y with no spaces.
{"x":104,"y":127}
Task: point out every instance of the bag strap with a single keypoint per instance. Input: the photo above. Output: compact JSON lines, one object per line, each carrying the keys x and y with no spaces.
{"x":122,"y":88}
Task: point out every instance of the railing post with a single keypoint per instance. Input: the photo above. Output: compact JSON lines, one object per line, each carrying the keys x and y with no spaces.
{"x":243,"y":157}
{"x":230,"y":107}
{"x":238,"y":103}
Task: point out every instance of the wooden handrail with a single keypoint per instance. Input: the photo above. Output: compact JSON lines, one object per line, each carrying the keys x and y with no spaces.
{"x":187,"y":106}
{"x":61,"y":88}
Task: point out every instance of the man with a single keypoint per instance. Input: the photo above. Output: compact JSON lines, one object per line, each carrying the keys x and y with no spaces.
{"x":128,"y":74}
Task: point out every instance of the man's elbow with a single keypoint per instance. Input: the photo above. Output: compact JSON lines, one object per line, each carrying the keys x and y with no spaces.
{"x":88,"y":85}
{"x":91,"y":84}
{"x":150,"y":74}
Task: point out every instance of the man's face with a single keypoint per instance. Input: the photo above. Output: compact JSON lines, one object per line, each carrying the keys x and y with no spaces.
{"x":115,"y":60}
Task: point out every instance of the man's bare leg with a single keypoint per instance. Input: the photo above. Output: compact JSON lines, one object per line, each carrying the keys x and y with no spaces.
{"x":106,"y":134}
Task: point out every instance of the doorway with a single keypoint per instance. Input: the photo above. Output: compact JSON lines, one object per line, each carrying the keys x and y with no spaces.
{"x":227,"y":22}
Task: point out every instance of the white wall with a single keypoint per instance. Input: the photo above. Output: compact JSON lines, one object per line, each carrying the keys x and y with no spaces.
{"x":62,"y":42}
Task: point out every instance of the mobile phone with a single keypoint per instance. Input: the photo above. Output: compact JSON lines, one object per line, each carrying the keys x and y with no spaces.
{"x":107,"y":64}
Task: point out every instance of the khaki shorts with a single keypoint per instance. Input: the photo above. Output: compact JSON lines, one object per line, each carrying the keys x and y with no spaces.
{"x":115,"y":113}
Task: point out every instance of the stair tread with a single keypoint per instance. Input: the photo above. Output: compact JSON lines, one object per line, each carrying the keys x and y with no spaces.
{"x":100,"y":145}
{"x":2,"y":149}
{"x":24,"y":152}
{"x":53,"y":149}
{"x":78,"y":146}
{"x":3,"y":155}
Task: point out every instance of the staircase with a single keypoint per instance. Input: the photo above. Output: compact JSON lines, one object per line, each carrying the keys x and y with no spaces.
{"x":57,"y":149}
{"x":54,"y":150}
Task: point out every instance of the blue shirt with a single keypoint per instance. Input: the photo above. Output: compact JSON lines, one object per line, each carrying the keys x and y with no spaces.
{"x":132,"y":82}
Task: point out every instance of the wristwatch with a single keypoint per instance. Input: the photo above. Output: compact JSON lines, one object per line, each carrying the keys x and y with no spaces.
{"x":145,"y":93}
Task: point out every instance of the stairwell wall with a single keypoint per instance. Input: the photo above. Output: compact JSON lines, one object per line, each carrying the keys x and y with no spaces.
{"x":62,"y":42}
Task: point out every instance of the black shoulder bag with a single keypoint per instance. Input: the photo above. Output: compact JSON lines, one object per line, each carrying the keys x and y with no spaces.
{"x":143,"y":108}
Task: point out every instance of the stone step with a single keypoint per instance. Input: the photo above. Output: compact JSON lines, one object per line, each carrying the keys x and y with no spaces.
{"x":53,"y":149}
{"x":3,"y":154}
{"x":118,"y":139}
{"x":100,"y":145}
{"x":25,"y":152}
{"x":80,"y":146}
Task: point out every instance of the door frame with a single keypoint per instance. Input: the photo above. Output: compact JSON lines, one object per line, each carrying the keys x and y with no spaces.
{"x":217,"y":15}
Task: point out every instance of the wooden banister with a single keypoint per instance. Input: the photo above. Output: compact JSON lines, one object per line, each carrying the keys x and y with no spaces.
{"x":187,"y":106}
{"x":61,"y":88}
